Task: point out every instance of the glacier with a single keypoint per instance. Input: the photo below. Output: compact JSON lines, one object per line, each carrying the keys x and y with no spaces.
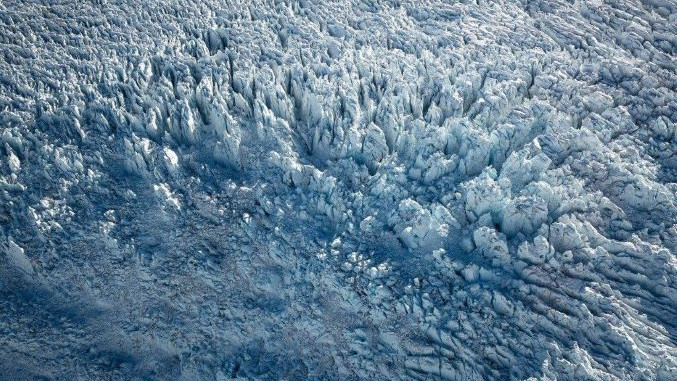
{"x":338,"y":190}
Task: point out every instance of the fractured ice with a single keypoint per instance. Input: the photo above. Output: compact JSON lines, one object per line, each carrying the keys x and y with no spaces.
{"x":455,"y":190}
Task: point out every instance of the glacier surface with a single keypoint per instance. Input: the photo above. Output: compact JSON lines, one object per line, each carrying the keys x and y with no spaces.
{"x":434,"y":190}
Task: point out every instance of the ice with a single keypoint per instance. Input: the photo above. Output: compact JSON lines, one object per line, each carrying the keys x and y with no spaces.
{"x":16,"y":257}
{"x":338,"y":190}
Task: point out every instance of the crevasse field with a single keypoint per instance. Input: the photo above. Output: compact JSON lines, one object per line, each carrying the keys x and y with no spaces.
{"x":338,"y":190}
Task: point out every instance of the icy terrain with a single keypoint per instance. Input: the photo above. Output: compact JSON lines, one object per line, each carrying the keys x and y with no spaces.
{"x":337,"y":190}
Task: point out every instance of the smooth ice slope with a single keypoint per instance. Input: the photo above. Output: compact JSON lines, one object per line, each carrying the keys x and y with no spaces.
{"x":339,"y":190}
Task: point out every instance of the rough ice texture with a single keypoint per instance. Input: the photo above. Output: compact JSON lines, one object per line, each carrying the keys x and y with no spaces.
{"x":342,"y":190}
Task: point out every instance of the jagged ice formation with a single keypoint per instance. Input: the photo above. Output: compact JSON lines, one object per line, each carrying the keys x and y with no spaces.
{"x":342,"y":190}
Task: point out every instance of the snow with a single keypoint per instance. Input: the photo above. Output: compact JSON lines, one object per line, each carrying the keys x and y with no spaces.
{"x":338,"y":190}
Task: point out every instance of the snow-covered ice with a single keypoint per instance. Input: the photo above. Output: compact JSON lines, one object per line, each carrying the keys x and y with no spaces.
{"x":452,"y":190}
